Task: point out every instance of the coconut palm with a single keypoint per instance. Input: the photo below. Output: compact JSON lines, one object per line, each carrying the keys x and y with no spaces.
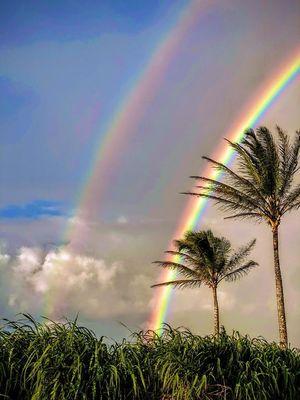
{"x":202,"y":258}
{"x":262,"y":189}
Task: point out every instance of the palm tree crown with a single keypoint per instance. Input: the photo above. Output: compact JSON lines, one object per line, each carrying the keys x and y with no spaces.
{"x":262,"y":188}
{"x":206,"y":259}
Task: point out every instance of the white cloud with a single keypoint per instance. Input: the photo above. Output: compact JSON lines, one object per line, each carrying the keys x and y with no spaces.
{"x":4,"y":258}
{"x":201,"y":299}
{"x":61,"y":283}
{"x":122,"y":220}
{"x":27,"y":261}
{"x":227,"y":299}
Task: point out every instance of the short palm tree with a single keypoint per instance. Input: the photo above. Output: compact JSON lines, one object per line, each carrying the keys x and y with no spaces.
{"x":202,"y":258}
{"x":262,"y":189}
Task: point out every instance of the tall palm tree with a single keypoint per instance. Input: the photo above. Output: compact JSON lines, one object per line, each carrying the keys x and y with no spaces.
{"x":262,"y":188}
{"x":206,"y":259}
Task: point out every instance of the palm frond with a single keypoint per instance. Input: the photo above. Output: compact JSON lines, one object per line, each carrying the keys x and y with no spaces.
{"x":232,"y":194}
{"x":256,"y":201}
{"x":183,"y":256}
{"x":284,"y":149}
{"x":239,"y":272}
{"x":294,"y":154}
{"x":252,"y":142}
{"x":224,"y":204}
{"x":263,"y":149}
{"x":270,"y":162}
{"x":292,"y":198}
{"x":193,"y":251}
{"x":250,"y":215}
{"x":184,"y":245}
{"x":293,"y":206}
{"x":240,"y":255}
{"x":198,"y":245}
{"x":182,"y":269}
{"x":248,"y":164}
{"x":271,"y":150}
{"x":289,"y":166}
{"x":235,"y":179}
{"x":180,"y":283}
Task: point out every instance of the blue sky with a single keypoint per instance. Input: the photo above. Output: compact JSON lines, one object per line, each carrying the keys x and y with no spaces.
{"x":34,"y":210}
{"x":23,"y":22}
{"x":66,"y":67}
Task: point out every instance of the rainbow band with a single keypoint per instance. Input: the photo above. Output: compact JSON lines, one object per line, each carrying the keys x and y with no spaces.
{"x":122,"y":125}
{"x":125,"y":120}
{"x":196,"y":206}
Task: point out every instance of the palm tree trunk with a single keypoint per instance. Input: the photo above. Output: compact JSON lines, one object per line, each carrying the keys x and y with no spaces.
{"x":283,"y":338}
{"x":216,"y":311}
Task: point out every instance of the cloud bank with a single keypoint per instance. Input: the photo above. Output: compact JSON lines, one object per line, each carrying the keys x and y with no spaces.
{"x":60,"y":283}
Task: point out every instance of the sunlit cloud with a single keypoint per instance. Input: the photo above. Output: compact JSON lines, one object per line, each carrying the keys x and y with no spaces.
{"x":61,"y":283}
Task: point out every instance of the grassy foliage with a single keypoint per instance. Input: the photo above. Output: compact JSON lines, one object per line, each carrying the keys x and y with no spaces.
{"x":65,"y":361}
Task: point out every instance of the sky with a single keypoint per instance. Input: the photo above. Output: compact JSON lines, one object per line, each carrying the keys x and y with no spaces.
{"x":67,"y":70}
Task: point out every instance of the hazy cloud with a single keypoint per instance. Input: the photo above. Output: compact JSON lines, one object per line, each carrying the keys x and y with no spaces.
{"x":61,"y":283}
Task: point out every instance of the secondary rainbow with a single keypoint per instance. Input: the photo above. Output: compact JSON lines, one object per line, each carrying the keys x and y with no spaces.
{"x":124,"y":122}
{"x":196,"y":206}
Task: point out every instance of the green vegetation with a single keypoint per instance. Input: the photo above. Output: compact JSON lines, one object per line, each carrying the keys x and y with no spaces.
{"x":207,"y":260}
{"x":65,"y":361}
{"x":261,"y":189}
{"x":56,"y":361}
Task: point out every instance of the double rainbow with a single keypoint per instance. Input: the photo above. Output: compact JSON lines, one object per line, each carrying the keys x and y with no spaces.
{"x":196,"y":206}
{"x":125,"y":121}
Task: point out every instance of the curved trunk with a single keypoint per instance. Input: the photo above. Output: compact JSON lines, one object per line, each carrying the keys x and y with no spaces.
{"x":216,"y":311}
{"x":283,"y":338}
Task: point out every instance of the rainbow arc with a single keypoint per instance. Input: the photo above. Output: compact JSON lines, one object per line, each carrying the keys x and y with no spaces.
{"x":124,"y":122}
{"x":195,"y":209}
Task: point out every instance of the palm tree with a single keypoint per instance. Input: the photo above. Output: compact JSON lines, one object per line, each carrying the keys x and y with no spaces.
{"x":206,"y":259}
{"x":261,"y":189}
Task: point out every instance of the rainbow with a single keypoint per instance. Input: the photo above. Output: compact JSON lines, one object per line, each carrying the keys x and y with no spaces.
{"x":196,"y":206}
{"x":125,"y":120}
{"x":123,"y":124}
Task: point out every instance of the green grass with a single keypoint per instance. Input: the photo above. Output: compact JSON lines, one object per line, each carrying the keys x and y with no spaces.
{"x":66,"y":361}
